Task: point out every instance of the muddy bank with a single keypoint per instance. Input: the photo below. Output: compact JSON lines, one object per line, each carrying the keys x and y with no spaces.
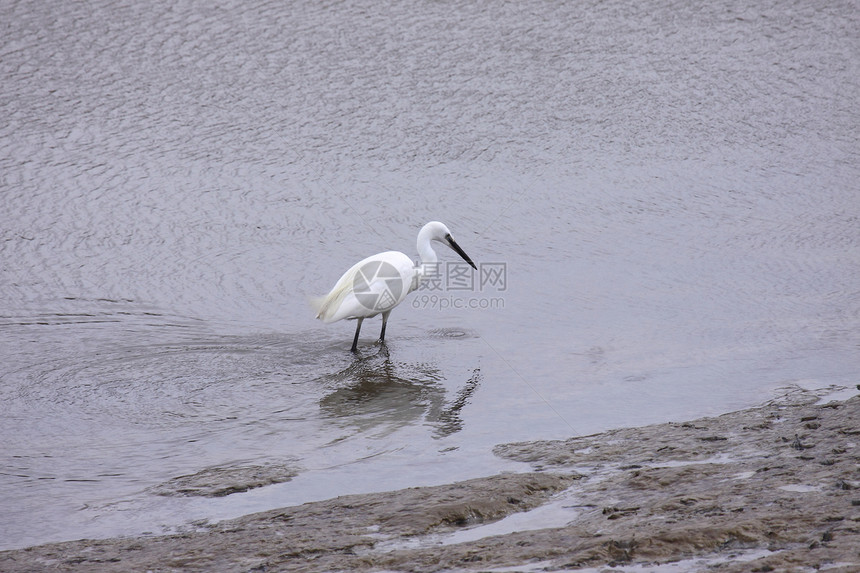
{"x":221,"y":481}
{"x":318,"y":536}
{"x":775,"y":488}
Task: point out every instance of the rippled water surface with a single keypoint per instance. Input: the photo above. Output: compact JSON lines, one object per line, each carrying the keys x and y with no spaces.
{"x":667,"y":195}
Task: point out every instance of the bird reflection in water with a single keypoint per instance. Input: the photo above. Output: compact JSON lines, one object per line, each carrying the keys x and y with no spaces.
{"x":374,"y":393}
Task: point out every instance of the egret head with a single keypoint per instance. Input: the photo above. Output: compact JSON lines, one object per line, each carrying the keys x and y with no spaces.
{"x":436,"y":231}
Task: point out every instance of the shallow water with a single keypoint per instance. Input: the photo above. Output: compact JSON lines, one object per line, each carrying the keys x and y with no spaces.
{"x":662,"y":199}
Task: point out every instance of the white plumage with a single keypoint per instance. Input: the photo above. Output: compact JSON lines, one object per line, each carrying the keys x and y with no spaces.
{"x":379,"y":283}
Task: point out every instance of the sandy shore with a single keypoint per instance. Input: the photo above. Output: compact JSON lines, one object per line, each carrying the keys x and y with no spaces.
{"x":774,"y":488}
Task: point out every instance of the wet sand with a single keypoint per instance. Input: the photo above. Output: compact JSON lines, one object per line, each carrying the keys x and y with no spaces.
{"x":774,"y":488}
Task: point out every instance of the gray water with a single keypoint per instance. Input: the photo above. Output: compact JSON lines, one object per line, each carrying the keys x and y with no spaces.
{"x":666,"y":191}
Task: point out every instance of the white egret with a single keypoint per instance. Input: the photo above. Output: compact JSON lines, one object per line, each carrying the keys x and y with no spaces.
{"x":379,"y":283}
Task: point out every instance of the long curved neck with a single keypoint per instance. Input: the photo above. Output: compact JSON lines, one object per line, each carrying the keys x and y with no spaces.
{"x":425,"y":251}
{"x":428,"y":265}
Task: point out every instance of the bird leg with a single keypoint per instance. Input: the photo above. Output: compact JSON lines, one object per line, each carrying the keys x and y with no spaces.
{"x":384,"y":322}
{"x":357,"y":330}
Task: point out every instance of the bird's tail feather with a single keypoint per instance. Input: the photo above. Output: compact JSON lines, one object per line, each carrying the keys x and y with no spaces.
{"x":326,"y":306}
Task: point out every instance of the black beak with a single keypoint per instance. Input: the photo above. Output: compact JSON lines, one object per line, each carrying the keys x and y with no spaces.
{"x":453,"y":244}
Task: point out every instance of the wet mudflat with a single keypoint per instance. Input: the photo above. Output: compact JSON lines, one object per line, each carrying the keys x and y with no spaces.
{"x":661,"y":198}
{"x":775,"y":487}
